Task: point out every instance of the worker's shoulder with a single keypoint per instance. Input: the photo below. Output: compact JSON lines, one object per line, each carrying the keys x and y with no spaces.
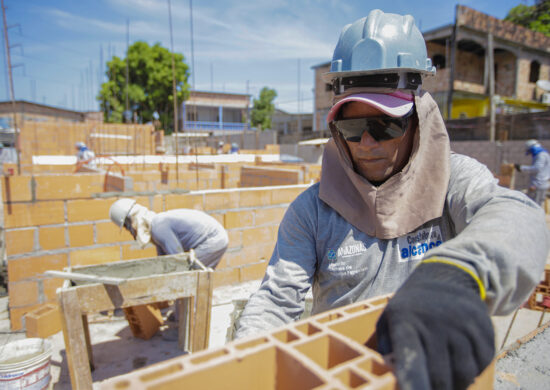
{"x":462,"y":163}
{"x":309,"y":194}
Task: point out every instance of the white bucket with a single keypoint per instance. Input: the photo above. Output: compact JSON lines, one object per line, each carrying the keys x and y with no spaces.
{"x":25,"y":364}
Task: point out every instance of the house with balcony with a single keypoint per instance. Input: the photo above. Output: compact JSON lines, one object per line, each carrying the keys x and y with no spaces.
{"x":217,"y":113}
{"x":461,"y":52}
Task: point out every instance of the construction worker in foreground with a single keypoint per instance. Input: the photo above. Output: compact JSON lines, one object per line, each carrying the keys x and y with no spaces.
{"x":172,"y":231}
{"x":539,"y":171}
{"x":397,"y":211}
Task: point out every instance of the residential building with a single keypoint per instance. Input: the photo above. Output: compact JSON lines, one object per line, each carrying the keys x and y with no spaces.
{"x":216,"y":112}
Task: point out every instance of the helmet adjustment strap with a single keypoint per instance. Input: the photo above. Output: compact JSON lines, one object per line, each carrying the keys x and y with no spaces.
{"x":386,"y":81}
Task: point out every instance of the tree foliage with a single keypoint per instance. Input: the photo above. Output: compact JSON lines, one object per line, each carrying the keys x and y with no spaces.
{"x":263,"y":109}
{"x":535,"y":17}
{"x":149,"y":84}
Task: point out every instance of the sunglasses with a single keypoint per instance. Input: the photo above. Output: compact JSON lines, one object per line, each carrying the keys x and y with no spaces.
{"x":381,"y":128}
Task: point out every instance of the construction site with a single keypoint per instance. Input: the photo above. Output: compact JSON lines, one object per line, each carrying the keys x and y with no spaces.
{"x":105,"y":309}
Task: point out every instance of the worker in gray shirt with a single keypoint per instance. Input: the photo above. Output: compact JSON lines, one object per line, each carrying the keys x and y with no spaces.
{"x":173,"y":231}
{"x":539,"y":171}
{"x":397,"y":212}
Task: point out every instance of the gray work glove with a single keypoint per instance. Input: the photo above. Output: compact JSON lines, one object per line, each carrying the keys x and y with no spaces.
{"x":437,"y":329}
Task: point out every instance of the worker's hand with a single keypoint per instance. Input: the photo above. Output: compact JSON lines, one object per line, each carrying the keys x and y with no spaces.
{"x":518,"y":167}
{"x":437,"y":329}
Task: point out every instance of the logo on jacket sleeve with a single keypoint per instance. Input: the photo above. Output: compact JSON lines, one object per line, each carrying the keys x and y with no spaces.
{"x":414,"y":245}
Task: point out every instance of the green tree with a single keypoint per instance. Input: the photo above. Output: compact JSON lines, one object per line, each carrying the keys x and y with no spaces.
{"x":149,"y":84}
{"x":263,"y":108}
{"x":535,"y":17}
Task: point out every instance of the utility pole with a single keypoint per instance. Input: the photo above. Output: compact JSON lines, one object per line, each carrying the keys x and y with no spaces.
{"x":452,"y":67}
{"x":491,"y":69}
{"x":299,"y":102}
{"x":174,"y":91}
{"x":12,"y":94}
{"x":127,"y":113}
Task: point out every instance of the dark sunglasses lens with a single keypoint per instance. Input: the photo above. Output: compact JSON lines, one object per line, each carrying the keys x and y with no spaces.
{"x":380,"y":128}
{"x":386,"y":129}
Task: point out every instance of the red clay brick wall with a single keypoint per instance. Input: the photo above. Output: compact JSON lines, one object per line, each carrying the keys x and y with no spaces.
{"x":53,"y":233}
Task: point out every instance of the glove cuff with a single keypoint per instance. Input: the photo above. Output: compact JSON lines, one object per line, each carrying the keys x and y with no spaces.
{"x":452,"y":273}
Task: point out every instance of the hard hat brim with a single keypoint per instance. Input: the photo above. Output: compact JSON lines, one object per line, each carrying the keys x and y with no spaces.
{"x":396,"y":104}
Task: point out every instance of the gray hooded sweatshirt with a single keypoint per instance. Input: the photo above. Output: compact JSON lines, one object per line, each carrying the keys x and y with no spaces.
{"x":348,"y":240}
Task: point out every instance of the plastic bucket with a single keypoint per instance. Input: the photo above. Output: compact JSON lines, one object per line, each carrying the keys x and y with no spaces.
{"x":25,"y":364}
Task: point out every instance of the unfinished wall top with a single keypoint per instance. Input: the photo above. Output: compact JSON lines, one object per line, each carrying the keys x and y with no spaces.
{"x":504,"y":29}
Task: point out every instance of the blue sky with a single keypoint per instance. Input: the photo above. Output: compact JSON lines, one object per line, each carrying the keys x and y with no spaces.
{"x":60,"y":47}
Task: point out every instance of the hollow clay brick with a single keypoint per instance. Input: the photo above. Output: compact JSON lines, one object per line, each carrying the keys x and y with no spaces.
{"x":19,"y":241}
{"x":43,"y":321}
{"x":81,"y":235}
{"x":27,"y":267}
{"x":185,"y":201}
{"x":100,"y":255}
{"x":33,"y":214}
{"x":23,"y":293}
{"x":81,"y":210}
{"x":221,"y":200}
{"x":16,"y":188}
{"x":51,"y":237}
{"x":108,"y":233}
{"x":326,"y":351}
{"x":144,"y":320}
{"x":238,"y":219}
{"x":254,"y":198}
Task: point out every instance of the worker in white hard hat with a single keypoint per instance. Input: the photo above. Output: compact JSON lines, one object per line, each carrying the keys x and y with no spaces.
{"x":397,"y":212}
{"x":172,"y":231}
{"x":539,"y":171}
{"x":84,"y":156}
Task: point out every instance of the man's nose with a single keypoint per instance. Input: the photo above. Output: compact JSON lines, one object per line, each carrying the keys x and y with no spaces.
{"x":367,"y":141}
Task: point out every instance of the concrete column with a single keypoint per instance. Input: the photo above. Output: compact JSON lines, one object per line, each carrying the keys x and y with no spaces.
{"x":220,"y":116}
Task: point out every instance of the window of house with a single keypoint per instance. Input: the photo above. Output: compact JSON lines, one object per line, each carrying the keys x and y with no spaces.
{"x":439,"y":61}
{"x":534,"y":72}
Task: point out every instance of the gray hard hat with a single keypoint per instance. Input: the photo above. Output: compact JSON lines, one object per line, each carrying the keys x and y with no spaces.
{"x":381,"y":44}
{"x":120,"y":210}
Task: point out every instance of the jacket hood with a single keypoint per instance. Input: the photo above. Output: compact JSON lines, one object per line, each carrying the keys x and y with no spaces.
{"x":409,"y":198}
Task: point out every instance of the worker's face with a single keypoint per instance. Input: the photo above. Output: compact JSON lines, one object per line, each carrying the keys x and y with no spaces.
{"x":377,"y":161}
{"x":128,"y":226}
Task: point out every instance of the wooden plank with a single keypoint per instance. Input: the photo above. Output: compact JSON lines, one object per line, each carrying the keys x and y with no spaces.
{"x":75,"y":342}
{"x":88,"y":341}
{"x":97,"y":297}
{"x":203,"y":311}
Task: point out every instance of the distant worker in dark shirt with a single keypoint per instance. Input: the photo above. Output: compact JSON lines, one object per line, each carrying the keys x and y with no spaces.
{"x":173,"y":231}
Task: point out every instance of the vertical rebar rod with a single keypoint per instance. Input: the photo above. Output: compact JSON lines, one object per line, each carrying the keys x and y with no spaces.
{"x":174,"y":92}
{"x":12,"y":93}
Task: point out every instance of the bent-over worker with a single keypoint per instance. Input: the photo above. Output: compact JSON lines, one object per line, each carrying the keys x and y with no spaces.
{"x":173,"y":231}
{"x":397,"y":211}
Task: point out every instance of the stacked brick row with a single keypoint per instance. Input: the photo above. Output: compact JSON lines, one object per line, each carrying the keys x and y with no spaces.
{"x":332,"y":350}
{"x":542,"y":292}
{"x":54,"y":222}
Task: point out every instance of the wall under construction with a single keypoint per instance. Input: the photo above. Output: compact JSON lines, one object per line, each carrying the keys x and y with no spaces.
{"x":54,"y":221}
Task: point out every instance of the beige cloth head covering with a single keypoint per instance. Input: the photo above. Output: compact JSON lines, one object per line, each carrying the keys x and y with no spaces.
{"x":142,"y":218}
{"x":406,"y":200}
